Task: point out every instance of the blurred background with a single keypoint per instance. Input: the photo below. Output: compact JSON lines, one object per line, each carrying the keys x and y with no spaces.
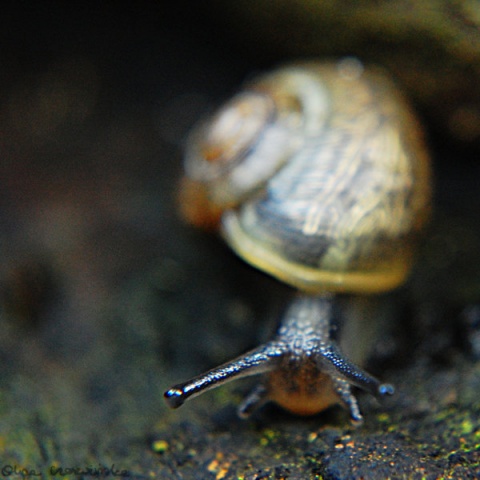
{"x":107,"y":298}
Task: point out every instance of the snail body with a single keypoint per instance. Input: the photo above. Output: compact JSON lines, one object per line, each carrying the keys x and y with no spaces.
{"x":316,"y":174}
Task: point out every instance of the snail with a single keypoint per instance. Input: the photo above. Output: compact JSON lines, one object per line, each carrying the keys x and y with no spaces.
{"x":317,"y":174}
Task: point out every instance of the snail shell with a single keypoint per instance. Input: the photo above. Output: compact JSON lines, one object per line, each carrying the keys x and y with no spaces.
{"x":317,"y":174}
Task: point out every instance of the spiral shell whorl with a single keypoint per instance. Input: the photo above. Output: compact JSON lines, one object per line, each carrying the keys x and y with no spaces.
{"x":322,"y":175}
{"x":240,"y":148}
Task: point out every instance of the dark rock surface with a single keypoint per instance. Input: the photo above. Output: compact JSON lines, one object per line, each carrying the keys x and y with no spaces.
{"x":107,"y":299}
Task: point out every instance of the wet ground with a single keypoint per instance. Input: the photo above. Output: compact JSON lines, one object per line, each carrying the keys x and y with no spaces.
{"x":107,"y":299}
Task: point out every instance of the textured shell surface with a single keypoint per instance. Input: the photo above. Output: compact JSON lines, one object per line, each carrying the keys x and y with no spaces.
{"x":329,"y":185}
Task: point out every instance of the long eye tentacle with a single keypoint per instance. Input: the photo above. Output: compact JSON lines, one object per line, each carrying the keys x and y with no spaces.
{"x":332,"y":360}
{"x":254,"y":362}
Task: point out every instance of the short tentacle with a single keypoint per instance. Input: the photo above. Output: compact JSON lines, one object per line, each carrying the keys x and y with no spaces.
{"x":349,"y":401}
{"x":255,"y":399}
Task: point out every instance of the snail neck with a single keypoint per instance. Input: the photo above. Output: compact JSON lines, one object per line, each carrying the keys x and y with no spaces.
{"x":307,"y":324}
